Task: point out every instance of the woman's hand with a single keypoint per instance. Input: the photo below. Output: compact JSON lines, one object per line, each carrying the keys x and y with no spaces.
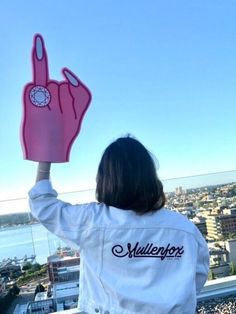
{"x":53,"y":111}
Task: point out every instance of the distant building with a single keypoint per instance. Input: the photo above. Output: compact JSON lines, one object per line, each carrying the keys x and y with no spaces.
{"x":61,"y":269}
{"x":8,"y":270}
{"x":218,"y":256}
{"x":200,"y":222}
{"x":179,"y":190}
{"x":42,"y":307}
{"x":63,"y":290}
{"x":216,"y":211}
{"x":230,"y":246}
{"x":2,"y":285}
{"x":41,"y":296}
{"x":204,"y":212}
{"x":66,"y":295}
{"x":229,"y":211}
{"x":220,"y":226}
{"x":219,"y":262}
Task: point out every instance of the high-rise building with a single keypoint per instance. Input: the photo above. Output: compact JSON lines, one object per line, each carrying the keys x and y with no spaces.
{"x":221,"y":226}
{"x":200,"y":222}
{"x":179,"y":190}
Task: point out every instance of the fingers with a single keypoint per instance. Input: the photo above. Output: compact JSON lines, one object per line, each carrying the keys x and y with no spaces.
{"x":80,"y":93}
{"x":40,"y":63}
{"x":71,"y":77}
{"x":76,"y":86}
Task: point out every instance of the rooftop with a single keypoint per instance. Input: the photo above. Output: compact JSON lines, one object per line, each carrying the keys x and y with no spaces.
{"x":65,"y":290}
{"x":216,"y":297}
{"x":56,"y":258}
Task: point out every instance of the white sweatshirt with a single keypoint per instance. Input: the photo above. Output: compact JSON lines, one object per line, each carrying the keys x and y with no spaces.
{"x":150,"y":264}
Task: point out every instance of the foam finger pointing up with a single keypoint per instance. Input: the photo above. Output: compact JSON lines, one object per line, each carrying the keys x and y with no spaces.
{"x":40,"y":62}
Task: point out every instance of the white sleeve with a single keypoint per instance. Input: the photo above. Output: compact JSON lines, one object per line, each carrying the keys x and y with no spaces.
{"x":62,"y":219}
{"x":202,"y":263}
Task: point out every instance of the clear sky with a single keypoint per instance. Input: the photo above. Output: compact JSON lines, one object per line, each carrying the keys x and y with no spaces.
{"x":164,"y":71}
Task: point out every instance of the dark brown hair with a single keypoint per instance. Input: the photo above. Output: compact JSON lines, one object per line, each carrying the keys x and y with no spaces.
{"x":127,"y":177}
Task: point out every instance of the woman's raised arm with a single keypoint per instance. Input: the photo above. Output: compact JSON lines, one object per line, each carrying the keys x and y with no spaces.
{"x":43,"y":171}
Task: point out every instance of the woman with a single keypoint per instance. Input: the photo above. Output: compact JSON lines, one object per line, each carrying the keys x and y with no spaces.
{"x":136,"y":256}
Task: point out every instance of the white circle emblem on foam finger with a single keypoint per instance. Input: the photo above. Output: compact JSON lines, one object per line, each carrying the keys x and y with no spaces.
{"x":40,"y":96}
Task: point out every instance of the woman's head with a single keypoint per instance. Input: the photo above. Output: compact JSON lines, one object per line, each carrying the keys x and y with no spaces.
{"x":127,"y":177}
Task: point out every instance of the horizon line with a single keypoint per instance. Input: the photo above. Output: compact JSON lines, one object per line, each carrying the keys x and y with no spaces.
{"x":92,"y":189}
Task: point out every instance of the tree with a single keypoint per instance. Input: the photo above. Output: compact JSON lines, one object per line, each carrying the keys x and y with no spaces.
{"x":39,"y":288}
{"x":15,"y":290}
{"x":211,"y":275}
{"x":232,"y":269}
{"x":232,"y":235}
{"x":36,"y":266}
{"x":27,"y":266}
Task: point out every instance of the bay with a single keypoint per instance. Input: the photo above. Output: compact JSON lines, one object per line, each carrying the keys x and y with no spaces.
{"x":28,"y":240}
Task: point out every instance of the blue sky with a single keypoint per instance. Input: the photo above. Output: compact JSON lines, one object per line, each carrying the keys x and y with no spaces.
{"x":164,"y":71}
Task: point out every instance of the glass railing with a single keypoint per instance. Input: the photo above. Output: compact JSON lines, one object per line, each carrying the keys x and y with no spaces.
{"x":199,"y":181}
{"x":23,"y":238}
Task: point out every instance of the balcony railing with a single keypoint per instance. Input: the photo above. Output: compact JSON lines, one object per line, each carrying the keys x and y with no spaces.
{"x":187,"y":194}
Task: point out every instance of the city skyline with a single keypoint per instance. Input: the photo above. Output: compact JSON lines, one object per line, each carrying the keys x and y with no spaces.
{"x":19,"y":205}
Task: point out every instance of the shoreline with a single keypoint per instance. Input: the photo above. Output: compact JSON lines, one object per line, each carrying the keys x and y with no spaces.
{"x":28,"y":239}
{"x":13,"y":226}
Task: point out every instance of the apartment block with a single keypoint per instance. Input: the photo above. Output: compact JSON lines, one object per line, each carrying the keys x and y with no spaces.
{"x":200,"y":223}
{"x":220,"y":226}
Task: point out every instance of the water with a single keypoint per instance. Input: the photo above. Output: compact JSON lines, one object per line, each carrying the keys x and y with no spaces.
{"x":28,"y":240}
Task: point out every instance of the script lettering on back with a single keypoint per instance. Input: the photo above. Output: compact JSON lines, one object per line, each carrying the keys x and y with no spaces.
{"x":149,"y":250}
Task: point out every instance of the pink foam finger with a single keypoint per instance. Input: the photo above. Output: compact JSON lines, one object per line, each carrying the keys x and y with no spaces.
{"x":40,"y":62}
{"x":52,"y":111}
